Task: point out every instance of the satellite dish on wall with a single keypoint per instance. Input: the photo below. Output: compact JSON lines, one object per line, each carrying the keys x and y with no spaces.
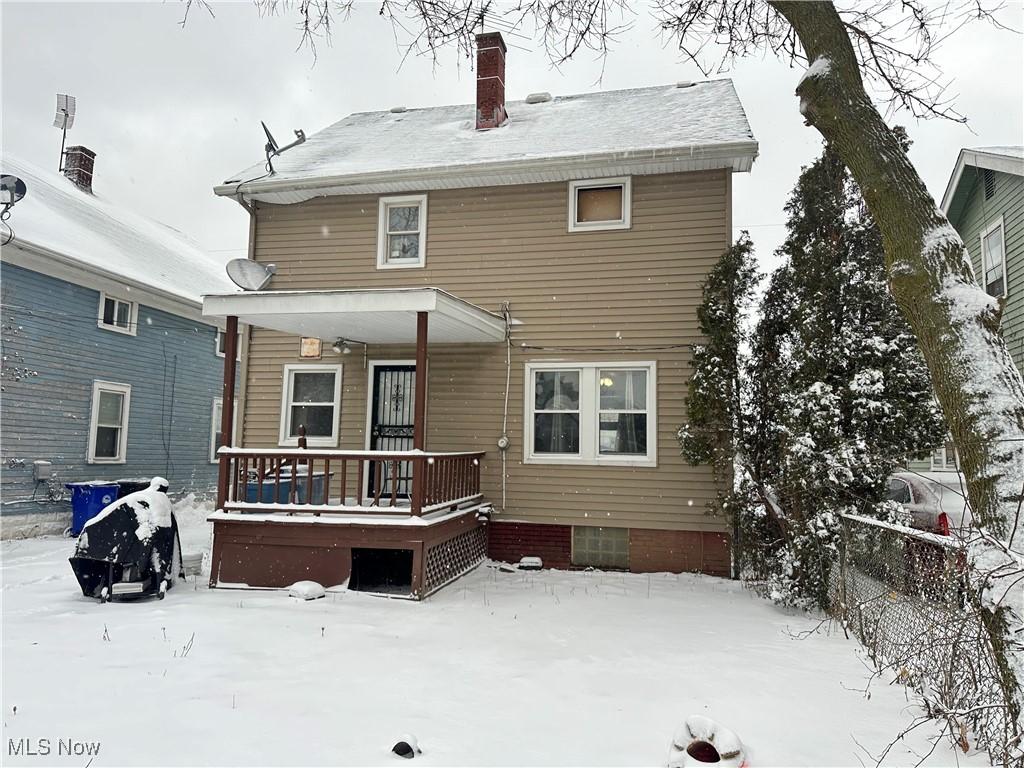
{"x":250,"y":275}
{"x":12,"y":189}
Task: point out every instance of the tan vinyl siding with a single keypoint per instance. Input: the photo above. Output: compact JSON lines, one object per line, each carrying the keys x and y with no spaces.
{"x":572,"y":291}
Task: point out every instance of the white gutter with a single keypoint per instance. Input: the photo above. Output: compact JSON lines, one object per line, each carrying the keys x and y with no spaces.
{"x":730,"y":151}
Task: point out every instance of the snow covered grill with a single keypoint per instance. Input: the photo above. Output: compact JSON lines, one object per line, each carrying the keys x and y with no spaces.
{"x":448,"y":560}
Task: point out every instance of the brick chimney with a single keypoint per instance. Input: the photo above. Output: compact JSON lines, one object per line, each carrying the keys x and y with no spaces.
{"x":490,"y":81}
{"x":78,"y":163}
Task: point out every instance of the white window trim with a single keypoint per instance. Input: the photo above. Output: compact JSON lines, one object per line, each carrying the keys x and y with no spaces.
{"x":133,"y":315}
{"x":382,"y":231}
{"x":122,"y":448}
{"x":997,"y":224}
{"x":216,"y":344}
{"x":215,"y":425}
{"x":943,"y":465}
{"x":597,"y":226}
{"x":590,"y":454}
{"x":286,"y":385}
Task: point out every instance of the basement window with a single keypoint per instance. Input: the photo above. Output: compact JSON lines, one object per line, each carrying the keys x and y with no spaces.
{"x":596,"y":547}
{"x":118,"y":315}
{"x":600,"y":204}
{"x":402,"y":232}
{"x":993,"y":259}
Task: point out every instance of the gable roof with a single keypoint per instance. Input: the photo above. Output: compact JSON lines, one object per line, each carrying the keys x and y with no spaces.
{"x":640,"y":130}
{"x":1005,"y":159}
{"x":87,"y":231}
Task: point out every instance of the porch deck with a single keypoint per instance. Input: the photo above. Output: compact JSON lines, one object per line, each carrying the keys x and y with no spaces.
{"x":287,"y":515}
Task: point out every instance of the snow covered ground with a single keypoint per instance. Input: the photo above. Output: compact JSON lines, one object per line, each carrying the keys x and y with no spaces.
{"x":548,"y":668}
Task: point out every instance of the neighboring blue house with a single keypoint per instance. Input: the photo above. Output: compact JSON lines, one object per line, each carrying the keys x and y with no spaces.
{"x":109,"y":370}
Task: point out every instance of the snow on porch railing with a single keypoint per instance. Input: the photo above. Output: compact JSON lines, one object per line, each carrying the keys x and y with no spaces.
{"x":324,"y":481}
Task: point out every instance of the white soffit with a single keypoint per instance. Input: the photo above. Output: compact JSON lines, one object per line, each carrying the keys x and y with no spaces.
{"x":385,"y":316}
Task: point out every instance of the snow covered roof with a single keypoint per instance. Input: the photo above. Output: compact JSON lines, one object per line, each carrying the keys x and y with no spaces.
{"x":641,"y":130}
{"x":87,"y":231}
{"x":1004,"y":158}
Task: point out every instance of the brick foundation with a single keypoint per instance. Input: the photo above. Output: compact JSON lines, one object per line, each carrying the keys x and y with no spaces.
{"x":509,"y":542}
{"x":650,"y":551}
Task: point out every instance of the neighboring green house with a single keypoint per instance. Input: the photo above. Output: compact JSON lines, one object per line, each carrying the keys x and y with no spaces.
{"x":984,"y":201}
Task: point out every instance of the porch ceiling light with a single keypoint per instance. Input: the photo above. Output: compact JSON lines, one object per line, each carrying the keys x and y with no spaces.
{"x":341,"y":347}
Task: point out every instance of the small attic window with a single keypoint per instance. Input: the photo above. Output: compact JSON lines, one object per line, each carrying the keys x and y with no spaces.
{"x":599,"y":204}
{"x":990,"y":183}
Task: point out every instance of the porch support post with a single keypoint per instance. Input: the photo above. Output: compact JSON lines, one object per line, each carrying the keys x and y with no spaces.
{"x":420,"y":412}
{"x":227,"y":415}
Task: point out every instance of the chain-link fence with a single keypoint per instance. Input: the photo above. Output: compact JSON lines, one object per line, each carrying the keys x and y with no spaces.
{"x":905,"y":594}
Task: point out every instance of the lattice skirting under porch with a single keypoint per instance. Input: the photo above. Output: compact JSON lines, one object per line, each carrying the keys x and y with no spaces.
{"x":447,"y":560}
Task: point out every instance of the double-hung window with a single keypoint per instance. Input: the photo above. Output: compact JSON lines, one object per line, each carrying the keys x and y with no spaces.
{"x":222,"y":343}
{"x":118,"y":315}
{"x":599,"y":204}
{"x":591,"y":413}
{"x":993,"y":259}
{"x":108,"y":424}
{"x":402,"y":232}
{"x":311,"y":398}
{"x":216,"y":436}
{"x":944,"y":459}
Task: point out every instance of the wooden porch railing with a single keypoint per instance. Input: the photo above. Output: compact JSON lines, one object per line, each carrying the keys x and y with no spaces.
{"x":324,"y":481}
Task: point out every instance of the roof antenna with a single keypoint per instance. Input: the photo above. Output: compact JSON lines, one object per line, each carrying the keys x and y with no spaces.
{"x":273,"y":150}
{"x":64,"y":119}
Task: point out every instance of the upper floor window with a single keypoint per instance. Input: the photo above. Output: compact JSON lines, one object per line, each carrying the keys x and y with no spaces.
{"x":402,"y":232}
{"x":118,"y":315}
{"x":108,"y":424}
{"x":311,"y":398}
{"x":222,"y":341}
{"x":591,"y":413}
{"x":993,"y":259}
{"x":598,"y":204}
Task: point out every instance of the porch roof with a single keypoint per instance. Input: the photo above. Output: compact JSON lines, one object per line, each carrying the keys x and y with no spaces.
{"x":371,"y":316}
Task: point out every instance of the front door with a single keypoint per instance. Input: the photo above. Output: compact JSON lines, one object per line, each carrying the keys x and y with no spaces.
{"x":391,"y":424}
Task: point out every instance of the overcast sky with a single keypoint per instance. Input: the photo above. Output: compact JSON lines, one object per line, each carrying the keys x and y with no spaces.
{"x":171,"y":111}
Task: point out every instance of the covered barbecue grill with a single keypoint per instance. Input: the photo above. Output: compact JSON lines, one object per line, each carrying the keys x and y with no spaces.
{"x":131,"y":547}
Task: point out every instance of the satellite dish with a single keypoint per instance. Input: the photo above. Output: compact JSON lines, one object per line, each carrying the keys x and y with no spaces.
{"x":12,"y":189}
{"x":250,"y":275}
{"x":271,"y":142}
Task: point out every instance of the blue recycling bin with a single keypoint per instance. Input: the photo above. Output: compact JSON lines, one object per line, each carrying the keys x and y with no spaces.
{"x":87,"y":500}
{"x":265,"y":494}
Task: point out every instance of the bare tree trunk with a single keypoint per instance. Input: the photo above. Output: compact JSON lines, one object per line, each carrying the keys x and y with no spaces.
{"x":957,"y":324}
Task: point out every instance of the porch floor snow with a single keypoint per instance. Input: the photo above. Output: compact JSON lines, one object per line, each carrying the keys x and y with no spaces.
{"x":541,"y":668}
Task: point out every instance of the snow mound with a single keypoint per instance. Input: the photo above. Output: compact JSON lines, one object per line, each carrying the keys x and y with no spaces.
{"x":306,"y":590}
{"x":701,"y":740}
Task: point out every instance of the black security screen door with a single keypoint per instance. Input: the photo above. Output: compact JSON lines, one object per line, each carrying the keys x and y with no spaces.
{"x":391,"y":423}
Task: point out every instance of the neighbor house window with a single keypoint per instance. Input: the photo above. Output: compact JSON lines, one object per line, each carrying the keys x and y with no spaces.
{"x":590,"y":413}
{"x":993,"y":259}
{"x":108,"y":424}
{"x":599,"y":204}
{"x":402,"y":232}
{"x":216,"y":436}
{"x":944,"y":459}
{"x":118,"y":315}
{"x":222,"y":342}
{"x":597,"y":547}
{"x":311,"y":398}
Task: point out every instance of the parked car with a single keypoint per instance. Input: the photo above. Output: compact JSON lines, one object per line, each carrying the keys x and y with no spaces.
{"x":935,"y":505}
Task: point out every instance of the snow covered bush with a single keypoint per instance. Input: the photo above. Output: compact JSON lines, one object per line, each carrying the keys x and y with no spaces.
{"x":832,"y":397}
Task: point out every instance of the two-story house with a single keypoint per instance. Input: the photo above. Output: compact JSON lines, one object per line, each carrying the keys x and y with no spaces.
{"x":984,"y":201}
{"x":109,"y":369}
{"x":480,"y":329}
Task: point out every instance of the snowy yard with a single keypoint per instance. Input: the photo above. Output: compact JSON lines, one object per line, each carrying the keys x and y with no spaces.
{"x":548,"y":668}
